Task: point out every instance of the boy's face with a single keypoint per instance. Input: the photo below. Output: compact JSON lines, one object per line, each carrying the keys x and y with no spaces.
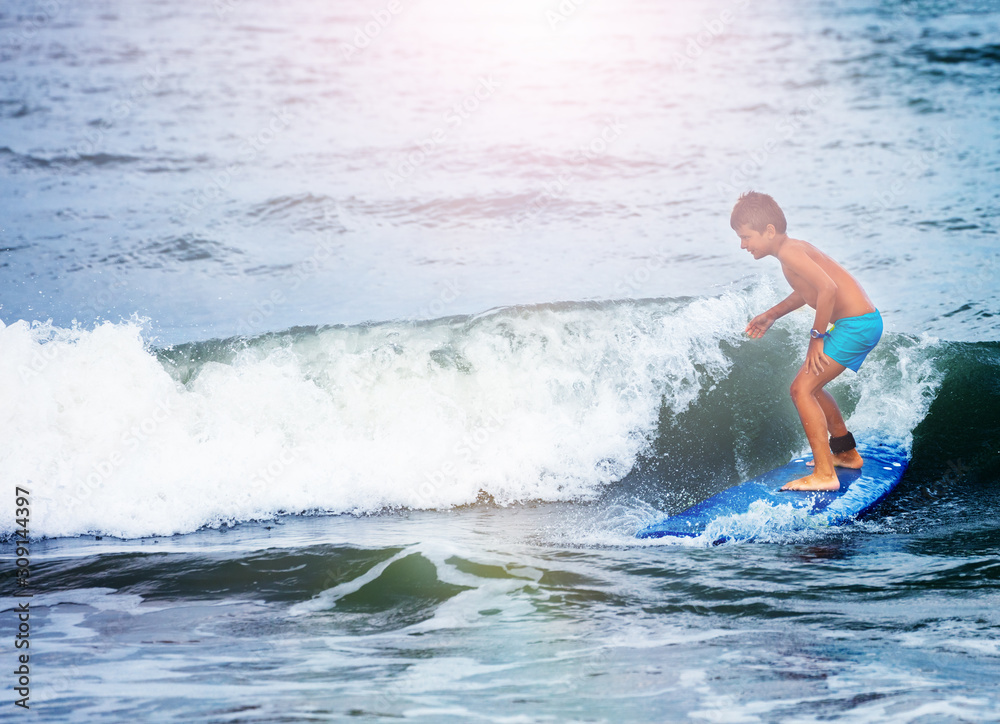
{"x":755,"y":242}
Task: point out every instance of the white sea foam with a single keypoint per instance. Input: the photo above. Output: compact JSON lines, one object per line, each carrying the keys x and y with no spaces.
{"x":895,"y":388}
{"x":542,"y":403}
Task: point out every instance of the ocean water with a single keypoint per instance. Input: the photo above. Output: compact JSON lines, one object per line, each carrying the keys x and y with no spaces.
{"x":346,"y":346}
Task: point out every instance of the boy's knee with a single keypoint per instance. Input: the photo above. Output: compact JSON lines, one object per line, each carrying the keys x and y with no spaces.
{"x":799,"y":389}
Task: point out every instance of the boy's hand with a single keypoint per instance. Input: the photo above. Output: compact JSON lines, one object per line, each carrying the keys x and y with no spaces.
{"x":816,"y":359}
{"x":758,"y":325}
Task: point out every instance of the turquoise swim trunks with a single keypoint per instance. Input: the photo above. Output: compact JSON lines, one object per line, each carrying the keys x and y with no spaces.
{"x":850,"y":339}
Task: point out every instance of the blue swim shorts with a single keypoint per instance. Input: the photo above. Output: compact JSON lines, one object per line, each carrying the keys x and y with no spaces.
{"x":850,"y":339}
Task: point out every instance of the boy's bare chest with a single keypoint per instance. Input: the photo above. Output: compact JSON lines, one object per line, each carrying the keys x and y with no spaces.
{"x":799,"y":284}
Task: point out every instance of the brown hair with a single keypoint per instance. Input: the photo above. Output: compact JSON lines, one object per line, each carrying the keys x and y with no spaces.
{"x":757,"y":210}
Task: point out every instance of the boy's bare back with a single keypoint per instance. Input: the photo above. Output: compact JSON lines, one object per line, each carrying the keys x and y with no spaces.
{"x":795,"y":254}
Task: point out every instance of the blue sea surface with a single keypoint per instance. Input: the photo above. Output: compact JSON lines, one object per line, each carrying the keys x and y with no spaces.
{"x":346,"y":347}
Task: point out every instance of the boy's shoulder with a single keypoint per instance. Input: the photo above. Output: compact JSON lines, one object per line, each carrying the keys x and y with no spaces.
{"x":792,"y":249}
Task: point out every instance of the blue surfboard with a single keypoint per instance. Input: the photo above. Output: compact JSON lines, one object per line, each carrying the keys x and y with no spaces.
{"x":757,"y":508}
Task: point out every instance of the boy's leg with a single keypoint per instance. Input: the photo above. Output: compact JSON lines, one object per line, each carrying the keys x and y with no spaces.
{"x":806,"y":392}
{"x":835,"y":422}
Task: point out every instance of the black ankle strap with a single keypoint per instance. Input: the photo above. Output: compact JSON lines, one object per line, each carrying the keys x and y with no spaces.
{"x":842,"y":444}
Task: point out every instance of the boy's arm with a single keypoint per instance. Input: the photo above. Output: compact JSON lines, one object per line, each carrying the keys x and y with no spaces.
{"x":762,"y":322}
{"x":789,"y":304}
{"x":800,"y":263}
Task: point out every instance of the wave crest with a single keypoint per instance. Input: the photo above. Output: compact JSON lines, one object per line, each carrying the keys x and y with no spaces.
{"x":549,"y":402}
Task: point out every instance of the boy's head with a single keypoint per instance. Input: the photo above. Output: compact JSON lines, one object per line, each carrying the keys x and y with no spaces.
{"x":757,"y":210}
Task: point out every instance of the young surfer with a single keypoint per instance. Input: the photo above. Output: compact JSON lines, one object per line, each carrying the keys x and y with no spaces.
{"x":820,"y":282}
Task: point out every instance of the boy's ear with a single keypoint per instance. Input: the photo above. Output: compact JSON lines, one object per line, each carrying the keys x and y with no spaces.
{"x":770,"y":231}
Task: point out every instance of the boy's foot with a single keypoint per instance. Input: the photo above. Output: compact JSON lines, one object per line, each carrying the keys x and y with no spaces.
{"x":813,"y":482}
{"x":850,"y":459}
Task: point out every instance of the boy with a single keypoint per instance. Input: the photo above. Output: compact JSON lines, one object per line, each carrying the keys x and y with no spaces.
{"x":820,"y":282}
